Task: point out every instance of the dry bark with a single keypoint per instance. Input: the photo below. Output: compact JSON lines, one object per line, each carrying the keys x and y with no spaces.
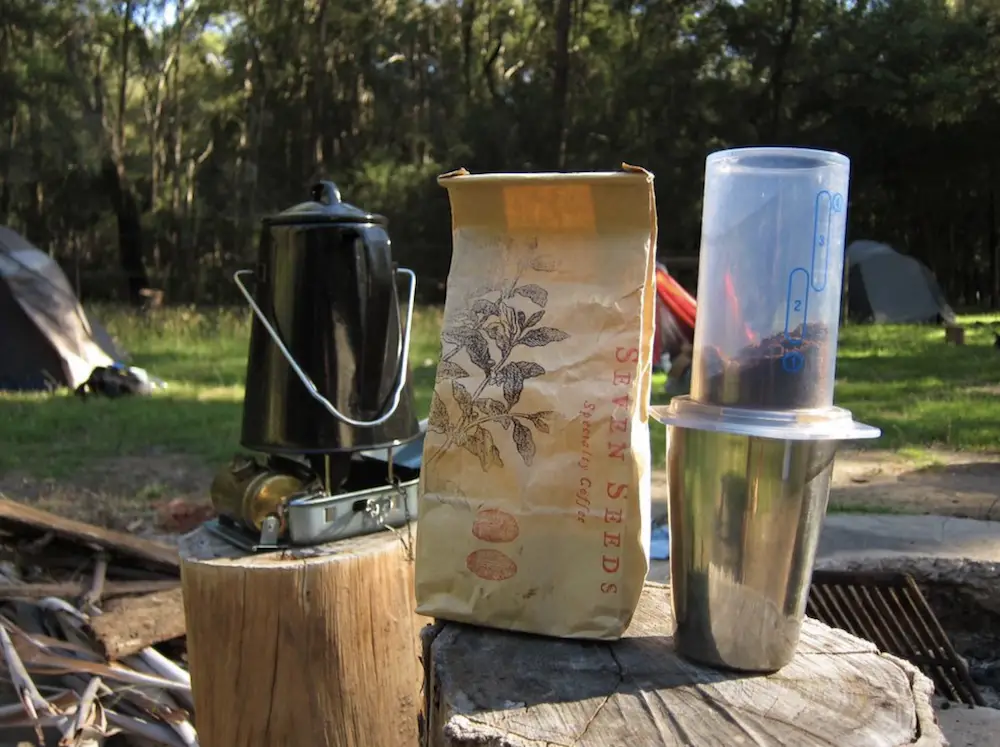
{"x":317,"y":646}
{"x":130,"y":624}
{"x":490,"y":687}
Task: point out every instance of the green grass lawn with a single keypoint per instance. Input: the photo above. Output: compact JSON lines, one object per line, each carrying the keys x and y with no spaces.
{"x":920,"y":391}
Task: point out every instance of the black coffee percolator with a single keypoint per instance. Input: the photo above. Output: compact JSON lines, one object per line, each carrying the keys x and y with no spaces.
{"x":327,"y":371}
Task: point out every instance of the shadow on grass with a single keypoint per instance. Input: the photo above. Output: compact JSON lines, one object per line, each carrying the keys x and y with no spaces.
{"x":980,"y":367}
{"x":919,"y":390}
{"x":921,"y":393}
{"x":986,"y":471}
{"x":969,"y":490}
{"x":916,"y":404}
{"x":53,"y":436}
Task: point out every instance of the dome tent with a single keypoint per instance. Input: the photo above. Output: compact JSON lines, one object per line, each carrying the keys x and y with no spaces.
{"x":885,"y":286}
{"x":48,"y":340}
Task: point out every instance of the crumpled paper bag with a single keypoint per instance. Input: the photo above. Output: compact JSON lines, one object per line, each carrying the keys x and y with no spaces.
{"x":535,"y":486}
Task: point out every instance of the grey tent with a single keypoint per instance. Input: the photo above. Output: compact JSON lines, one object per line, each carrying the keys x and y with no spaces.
{"x":47,"y":340}
{"x":887,"y":287}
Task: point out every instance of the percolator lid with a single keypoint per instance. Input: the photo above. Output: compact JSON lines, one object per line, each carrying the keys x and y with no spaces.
{"x":325,"y":207}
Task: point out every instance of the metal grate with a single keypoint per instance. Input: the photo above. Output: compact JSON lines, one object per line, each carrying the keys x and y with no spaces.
{"x":888,"y":609}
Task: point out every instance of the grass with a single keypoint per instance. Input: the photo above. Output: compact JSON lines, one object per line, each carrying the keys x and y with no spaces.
{"x":920,"y":391}
{"x":903,"y":379}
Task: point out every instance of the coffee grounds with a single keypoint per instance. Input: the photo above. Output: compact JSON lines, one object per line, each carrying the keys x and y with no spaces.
{"x":775,"y":374}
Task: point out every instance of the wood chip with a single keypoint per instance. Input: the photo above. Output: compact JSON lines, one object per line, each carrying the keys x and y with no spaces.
{"x":131,"y":624}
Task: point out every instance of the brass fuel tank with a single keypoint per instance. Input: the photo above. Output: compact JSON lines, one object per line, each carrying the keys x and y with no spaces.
{"x":249,"y":492}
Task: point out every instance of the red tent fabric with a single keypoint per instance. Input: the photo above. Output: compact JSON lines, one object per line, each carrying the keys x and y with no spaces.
{"x":676,"y":312}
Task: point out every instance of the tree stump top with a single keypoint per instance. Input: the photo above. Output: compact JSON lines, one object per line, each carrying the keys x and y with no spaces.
{"x":201,"y":546}
{"x":502,"y":689}
{"x":306,"y":647}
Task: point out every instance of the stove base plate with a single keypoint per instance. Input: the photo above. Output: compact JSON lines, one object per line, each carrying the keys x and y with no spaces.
{"x":226,"y":529}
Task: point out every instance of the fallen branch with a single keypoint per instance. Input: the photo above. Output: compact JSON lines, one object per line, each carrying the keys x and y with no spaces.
{"x":131,"y":624}
{"x":13,"y":714}
{"x":61,"y":605}
{"x":153,"y":662}
{"x":82,"y":731}
{"x":157,"y":733}
{"x":39,"y":544}
{"x":164,"y":667}
{"x":25,"y":521}
{"x":24,"y":686}
{"x":59,"y":643}
{"x":72,"y":590}
{"x":160,"y":706}
{"x":186,"y":732}
{"x":43,"y":663}
{"x":93,"y":596}
{"x":80,"y":611}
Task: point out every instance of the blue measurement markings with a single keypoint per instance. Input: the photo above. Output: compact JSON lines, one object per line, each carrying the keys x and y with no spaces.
{"x":801,"y":280}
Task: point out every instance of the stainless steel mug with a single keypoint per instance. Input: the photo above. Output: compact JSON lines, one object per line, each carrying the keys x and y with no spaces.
{"x":745,"y":515}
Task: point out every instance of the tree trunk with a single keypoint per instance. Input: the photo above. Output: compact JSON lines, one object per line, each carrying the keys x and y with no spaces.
{"x":129,"y":230}
{"x":5,"y":156}
{"x":560,"y":81}
{"x":245,"y":173}
{"x":993,"y":239}
{"x":469,"y":12}
{"x":315,"y":646}
{"x":318,"y":95}
{"x":492,"y":687}
{"x":117,"y":183}
{"x":781,"y":65}
{"x":35,"y":193}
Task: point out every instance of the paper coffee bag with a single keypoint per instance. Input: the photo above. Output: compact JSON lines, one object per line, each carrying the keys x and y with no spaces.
{"x":535,"y":485}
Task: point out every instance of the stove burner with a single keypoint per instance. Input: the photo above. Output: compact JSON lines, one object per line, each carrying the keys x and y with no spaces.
{"x":279,"y":504}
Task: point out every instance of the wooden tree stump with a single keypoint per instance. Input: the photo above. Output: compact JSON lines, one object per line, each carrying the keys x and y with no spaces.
{"x":487,"y":687}
{"x":954,"y":334}
{"x":316,"y":646}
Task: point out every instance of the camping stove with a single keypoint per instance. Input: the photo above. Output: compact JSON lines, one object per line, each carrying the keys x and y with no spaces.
{"x":328,"y":413}
{"x":278,"y":501}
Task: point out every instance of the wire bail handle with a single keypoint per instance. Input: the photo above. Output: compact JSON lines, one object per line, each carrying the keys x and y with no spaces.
{"x":404,"y":356}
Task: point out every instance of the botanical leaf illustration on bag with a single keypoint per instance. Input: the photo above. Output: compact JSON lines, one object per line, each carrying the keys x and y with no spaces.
{"x":502,"y":320}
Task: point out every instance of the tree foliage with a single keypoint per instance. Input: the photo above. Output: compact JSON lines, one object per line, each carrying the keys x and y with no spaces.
{"x":142,"y":141}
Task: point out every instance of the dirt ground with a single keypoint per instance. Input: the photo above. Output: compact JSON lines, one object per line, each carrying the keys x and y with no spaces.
{"x":160,"y":494}
{"x":930,"y":481}
{"x":157,"y":495}
{"x":958,"y":484}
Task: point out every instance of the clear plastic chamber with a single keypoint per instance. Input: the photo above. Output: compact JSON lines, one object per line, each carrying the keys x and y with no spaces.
{"x":770,"y":278}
